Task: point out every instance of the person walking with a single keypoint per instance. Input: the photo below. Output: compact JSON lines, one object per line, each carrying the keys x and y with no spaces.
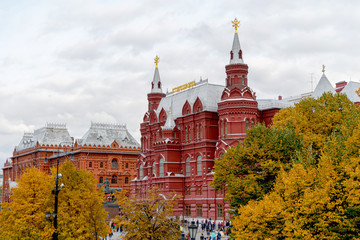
{"x":213,"y":236}
{"x":218,"y":235}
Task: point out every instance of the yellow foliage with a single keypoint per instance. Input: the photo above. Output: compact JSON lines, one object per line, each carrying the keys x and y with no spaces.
{"x":24,"y":216}
{"x":149,"y":218}
{"x":81,"y":214}
{"x":80,"y":211}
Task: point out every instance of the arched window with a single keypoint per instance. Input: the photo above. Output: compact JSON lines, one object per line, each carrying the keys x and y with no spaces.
{"x":247,"y":124}
{"x":126,"y":180}
{"x":154,"y":169}
{"x":186,"y":135}
{"x":188,"y":169}
{"x":114,"y":179}
{"x":252,"y":123}
{"x":161,"y":167}
{"x":141,"y":172}
{"x":200,"y":132}
{"x":199,"y":165}
{"x":114,"y":163}
{"x":101,"y":179}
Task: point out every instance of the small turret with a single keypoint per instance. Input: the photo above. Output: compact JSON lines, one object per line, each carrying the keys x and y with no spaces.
{"x":237,"y":70}
{"x":156,"y":94}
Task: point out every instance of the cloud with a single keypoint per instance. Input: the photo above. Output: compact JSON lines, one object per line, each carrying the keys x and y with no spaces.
{"x":78,"y":61}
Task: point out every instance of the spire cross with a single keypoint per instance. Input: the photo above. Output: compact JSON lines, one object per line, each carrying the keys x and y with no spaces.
{"x":156,"y":61}
{"x":323,"y":70}
{"x":236,"y":24}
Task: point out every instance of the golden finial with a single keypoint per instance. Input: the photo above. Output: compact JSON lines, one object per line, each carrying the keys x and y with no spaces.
{"x":358,"y":92}
{"x":323,"y":69}
{"x":156,"y":60}
{"x":235,"y":24}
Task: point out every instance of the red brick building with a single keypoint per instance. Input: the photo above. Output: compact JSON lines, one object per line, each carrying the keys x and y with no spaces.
{"x":184,"y":131}
{"x":107,"y":150}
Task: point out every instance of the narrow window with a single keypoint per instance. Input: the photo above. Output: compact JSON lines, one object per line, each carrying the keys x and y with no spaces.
{"x":141,"y":172}
{"x":161,"y":167}
{"x":199,"y":166}
{"x":153,"y":169}
{"x":188,"y":167}
{"x":221,"y":129}
{"x":101,"y":164}
{"x":114,"y":164}
{"x":199,"y":212}
{"x":101,"y":179}
{"x":114,"y":179}
{"x":225,"y":130}
{"x":126,"y":180}
{"x":247,"y":124}
{"x":200,"y":133}
{"x":188,"y":210}
{"x":90,"y":164}
{"x":189,"y":135}
{"x":220,"y":211}
{"x":126,"y":165}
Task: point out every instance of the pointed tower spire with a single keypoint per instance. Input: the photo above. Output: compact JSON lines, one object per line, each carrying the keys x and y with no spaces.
{"x":156,"y":94}
{"x":236,"y":53}
{"x":156,"y":83}
{"x":323,"y":85}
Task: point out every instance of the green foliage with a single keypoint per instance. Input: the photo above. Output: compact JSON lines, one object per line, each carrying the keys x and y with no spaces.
{"x":319,"y":197}
{"x":248,"y":171}
{"x":149,"y":218}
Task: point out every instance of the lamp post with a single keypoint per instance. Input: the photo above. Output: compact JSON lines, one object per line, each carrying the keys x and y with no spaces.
{"x":56,"y":192}
{"x":192,"y":230}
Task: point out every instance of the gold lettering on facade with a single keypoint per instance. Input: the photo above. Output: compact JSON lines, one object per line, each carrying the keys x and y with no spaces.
{"x":183,"y":87}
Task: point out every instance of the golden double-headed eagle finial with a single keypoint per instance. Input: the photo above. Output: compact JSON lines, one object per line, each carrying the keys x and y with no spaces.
{"x":235,"y":24}
{"x":156,"y":60}
{"x":323,"y":70}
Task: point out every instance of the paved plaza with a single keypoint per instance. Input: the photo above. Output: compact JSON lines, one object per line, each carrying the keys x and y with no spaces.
{"x":117,"y":235}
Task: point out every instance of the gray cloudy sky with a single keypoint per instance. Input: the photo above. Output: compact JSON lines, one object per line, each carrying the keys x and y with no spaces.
{"x":77,"y":61}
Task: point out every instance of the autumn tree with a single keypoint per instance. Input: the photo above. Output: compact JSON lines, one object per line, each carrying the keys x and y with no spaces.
{"x":249,"y":170}
{"x":149,"y":218}
{"x":80,"y":211}
{"x":319,"y":197}
{"x":81,"y":214}
{"x":24,"y":216}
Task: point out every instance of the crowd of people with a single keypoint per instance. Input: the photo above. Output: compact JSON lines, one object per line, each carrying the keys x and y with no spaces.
{"x":210,"y":230}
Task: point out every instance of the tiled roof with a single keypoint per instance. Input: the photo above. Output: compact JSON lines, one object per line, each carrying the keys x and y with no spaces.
{"x":350,"y":91}
{"x":52,"y":133}
{"x":323,"y":86}
{"x":264,"y":104}
{"x":209,"y":94}
{"x":105,"y":134}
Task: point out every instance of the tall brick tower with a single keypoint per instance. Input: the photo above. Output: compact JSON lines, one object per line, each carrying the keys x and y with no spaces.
{"x":156,"y":94}
{"x":238,"y":108}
